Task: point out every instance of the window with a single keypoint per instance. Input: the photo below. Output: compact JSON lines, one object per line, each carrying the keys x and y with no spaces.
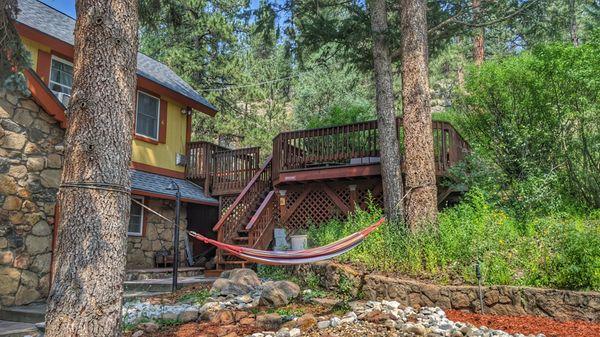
{"x":136,"y":218}
{"x":147,"y":115}
{"x":61,"y":76}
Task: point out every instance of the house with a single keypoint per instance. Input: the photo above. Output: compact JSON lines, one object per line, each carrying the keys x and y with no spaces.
{"x":310,"y":177}
{"x":31,"y":157}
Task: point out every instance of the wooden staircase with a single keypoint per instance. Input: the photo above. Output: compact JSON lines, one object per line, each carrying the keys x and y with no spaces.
{"x":250,"y":220}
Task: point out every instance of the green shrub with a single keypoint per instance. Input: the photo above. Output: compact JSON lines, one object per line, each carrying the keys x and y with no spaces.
{"x":533,"y":123}
{"x":561,"y":251}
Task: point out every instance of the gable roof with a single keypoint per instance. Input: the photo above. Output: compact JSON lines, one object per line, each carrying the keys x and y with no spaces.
{"x":50,"y":21}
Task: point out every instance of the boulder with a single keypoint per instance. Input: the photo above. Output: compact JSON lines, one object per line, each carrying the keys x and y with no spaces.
{"x":269,"y":322}
{"x":224,"y":317}
{"x":245,"y":277}
{"x":209,"y":309}
{"x":225,"y":287}
{"x":236,"y":282}
{"x":279,"y":293}
{"x":188,"y":315}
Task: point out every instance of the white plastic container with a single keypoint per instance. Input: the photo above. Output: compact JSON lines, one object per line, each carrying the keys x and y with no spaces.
{"x":299,"y":242}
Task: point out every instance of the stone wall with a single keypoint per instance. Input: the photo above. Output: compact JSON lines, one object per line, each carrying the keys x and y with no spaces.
{"x":157,"y":233}
{"x":30,"y":166}
{"x":501,"y":300}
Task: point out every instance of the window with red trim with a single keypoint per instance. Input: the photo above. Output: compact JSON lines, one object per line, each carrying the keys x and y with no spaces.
{"x":147,"y":117}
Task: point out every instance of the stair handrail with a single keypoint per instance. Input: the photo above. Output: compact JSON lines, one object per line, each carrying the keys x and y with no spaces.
{"x":262,"y":222}
{"x":242,"y":194}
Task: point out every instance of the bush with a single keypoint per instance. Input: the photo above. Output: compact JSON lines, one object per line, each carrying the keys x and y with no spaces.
{"x":559,"y":251}
{"x":534,"y":121}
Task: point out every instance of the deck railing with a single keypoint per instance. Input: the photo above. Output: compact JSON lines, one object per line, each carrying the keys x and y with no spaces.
{"x":352,"y":145}
{"x":261,"y":225}
{"x":199,"y":165}
{"x":233,"y":169}
{"x":222,"y":171}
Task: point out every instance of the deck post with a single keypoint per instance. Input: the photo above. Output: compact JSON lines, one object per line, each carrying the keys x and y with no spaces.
{"x":282,"y":205}
{"x":353,"y":197}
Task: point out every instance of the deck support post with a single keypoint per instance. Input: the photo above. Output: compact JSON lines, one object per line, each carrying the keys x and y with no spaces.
{"x":353,"y":197}
{"x":282,"y":206}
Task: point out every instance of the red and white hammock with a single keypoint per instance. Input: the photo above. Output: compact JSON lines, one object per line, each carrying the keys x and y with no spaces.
{"x":293,"y":257}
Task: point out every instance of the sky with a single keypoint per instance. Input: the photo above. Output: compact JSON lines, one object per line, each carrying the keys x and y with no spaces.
{"x":65,"y":6}
{"x":68,"y":6}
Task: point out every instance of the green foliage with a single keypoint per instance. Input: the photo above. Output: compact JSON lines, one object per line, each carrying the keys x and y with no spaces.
{"x":198,"y":297}
{"x":533,"y":121}
{"x":275,"y":273}
{"x":560,"y":251}
{"x":13,"y":55}
{"x":332,"y":94}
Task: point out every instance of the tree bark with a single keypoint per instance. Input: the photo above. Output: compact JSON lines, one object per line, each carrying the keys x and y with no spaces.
{"x":573,"y":23}
{"x":421,"y":203}
{"x":479,"y":39}
{"x":86,"y":295}
{"x":389,"y":145}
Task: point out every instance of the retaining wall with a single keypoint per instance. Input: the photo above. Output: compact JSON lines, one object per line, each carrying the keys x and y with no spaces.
{"x":500,"y":300}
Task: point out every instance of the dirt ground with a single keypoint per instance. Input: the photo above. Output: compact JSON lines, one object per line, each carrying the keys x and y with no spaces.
{"x":528,"y":324}
{"x":513,"y":324}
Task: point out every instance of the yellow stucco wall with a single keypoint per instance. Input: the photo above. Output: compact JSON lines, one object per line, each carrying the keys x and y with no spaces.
{"x":163,"y":155}
{"x":159,"y":155}
{"x":33,"y":48}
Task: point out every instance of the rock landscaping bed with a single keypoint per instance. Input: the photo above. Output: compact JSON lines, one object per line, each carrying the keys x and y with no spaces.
{"x":241,"y":305}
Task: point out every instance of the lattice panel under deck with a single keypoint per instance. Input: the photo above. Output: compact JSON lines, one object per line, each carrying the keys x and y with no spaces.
{"x":226,"y":201}
{"x":315,"y":209}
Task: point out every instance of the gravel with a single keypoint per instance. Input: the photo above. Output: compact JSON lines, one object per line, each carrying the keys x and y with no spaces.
{"x":387,"y":318}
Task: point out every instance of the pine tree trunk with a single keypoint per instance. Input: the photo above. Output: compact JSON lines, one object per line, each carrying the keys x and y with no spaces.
{"x":573,"y":23}
{"x":389,"y":146}
{"x":86,"y":295}
{"x":421,"y":203}
{"x":479,"y":39}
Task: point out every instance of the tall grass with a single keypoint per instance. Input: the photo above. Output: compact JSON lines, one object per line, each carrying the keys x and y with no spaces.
{"x":561,"y":251}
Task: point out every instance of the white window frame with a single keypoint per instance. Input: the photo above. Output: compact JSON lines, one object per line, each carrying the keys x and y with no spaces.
{"x":157,"y":115}
{"x":61,"y":60}
{"x":141,"y":232}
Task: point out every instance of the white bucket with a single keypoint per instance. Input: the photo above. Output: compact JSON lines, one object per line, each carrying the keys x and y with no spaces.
{"x":299,"y":242}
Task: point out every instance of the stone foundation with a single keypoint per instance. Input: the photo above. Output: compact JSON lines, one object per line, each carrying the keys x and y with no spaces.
{"x":501,"y":300}
{"x":158,"y":235}
{"x":31,"y":151}
{"x":31,"y":158}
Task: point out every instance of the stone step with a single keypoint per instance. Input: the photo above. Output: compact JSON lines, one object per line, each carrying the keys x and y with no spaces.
{"x":31,"y":313}
{"x":160,"y":273}
{"x":164,"y":284}
{"x":17,"y":329}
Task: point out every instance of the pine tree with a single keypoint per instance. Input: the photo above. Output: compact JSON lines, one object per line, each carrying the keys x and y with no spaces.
{"x":421,"y":202}
{"x":389,"y":146}
{"x":86,"y":295}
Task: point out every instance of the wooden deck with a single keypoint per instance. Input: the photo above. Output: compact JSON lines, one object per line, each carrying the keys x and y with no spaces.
{"x":350,"y":150}
{"x":337,"y":152}
{"x":311,"y":177}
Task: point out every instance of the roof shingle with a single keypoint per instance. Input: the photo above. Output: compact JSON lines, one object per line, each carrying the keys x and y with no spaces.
{"x":157,"y":184}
